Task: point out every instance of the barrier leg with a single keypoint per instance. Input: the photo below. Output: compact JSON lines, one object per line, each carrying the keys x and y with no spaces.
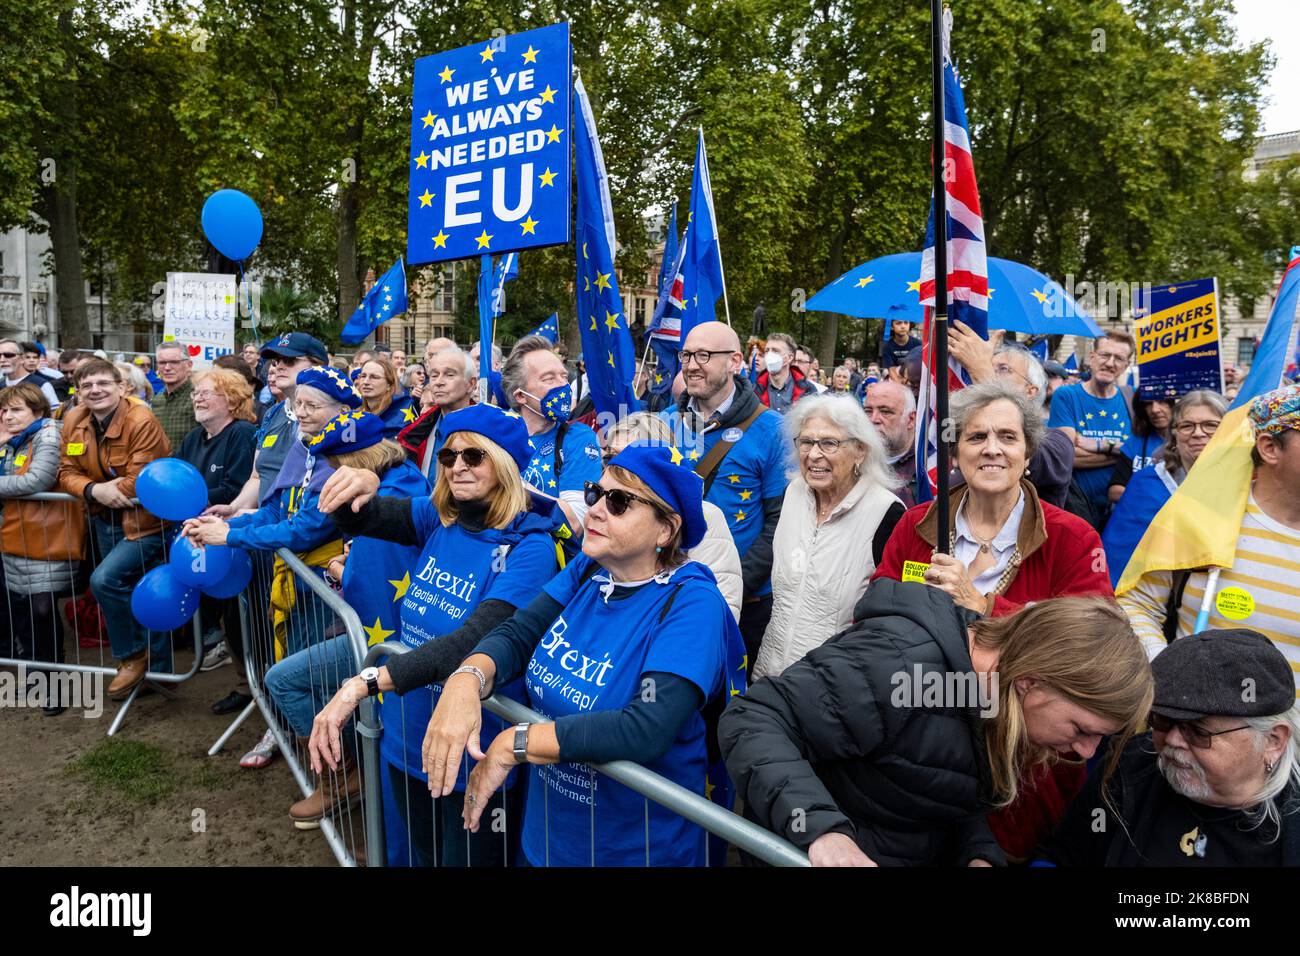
{"x":230,"y":731}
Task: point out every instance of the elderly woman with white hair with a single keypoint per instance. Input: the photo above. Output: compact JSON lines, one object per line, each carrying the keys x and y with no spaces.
{"x":839,"y":510}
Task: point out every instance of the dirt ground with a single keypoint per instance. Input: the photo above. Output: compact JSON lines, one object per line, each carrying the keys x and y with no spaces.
{"x":135,"y":805}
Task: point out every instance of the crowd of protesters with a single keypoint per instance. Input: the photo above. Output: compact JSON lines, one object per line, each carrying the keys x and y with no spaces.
{"x":737,"y":590}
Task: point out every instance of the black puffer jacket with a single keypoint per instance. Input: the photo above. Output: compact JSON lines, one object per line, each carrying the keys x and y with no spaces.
{"x":822,"y":748}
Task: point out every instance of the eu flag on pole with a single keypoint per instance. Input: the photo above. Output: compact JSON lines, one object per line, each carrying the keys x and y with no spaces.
{"x":507,"y":268}
{"x":700,"y":270}
{"x":385,"y":299}
{"x":602,"y":325}
{"x":664,"y":331}
{"x":550,"y":329}
{"x":669,"y":260}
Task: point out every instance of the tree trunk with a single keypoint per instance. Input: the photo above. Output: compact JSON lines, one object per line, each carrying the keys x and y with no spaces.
{"x":58,"y":200}
{"x":831,"y":320}
{"x":346,"y":256}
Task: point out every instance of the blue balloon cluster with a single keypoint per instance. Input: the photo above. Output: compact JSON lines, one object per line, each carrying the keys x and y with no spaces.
{"x":233,"y":223}
{"x":168,"y":595}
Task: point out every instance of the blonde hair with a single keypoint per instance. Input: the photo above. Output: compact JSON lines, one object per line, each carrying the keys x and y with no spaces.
{"x":136,"y":379}
{"x":507,"y":499}
{"x":390,"y":377}
{"x":672,"y":553}
{"x":378,"y":458}
{"x":234,"y":388}
{"x":1084,"y":649}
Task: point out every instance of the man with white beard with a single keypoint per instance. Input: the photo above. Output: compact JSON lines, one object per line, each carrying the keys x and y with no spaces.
{"x":1215,"y":782}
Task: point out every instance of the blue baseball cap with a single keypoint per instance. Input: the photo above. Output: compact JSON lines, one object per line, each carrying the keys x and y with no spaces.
{"x":667,"y":472}
{"x":295,"y":345}
{"x":351,"y":431}
{"x":333,"y":383}
{"x":506,"y":429}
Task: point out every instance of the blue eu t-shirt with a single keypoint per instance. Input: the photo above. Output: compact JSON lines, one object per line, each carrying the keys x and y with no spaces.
{"x":1142,"y":452}
{"x":581,"y":454}
{"x":1104,"y":418}
{"x":593,"y":658}
{"x":754,"y":469}
{"x":456,"y":570}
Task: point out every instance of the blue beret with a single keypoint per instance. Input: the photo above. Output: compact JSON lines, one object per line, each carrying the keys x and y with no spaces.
{"x":506,"y":429}
{"x":669,"y":475}
{"x":351,"y":431}
{"x":333,"y":383}
{"x":295,"y":345}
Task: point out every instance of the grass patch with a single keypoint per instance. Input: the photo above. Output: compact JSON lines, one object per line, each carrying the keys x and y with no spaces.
{"x":138,"y":773}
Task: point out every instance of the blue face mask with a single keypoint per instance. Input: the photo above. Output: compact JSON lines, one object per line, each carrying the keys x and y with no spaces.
{"x":557,"y":403}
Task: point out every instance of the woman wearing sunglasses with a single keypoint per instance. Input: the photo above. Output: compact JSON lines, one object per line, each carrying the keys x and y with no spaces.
{"x":483,"y":555}
{"x":625,"y":651}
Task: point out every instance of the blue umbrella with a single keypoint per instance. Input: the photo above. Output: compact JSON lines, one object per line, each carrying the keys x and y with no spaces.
{"x":884,"y":288}
{"x":1021,"y":299}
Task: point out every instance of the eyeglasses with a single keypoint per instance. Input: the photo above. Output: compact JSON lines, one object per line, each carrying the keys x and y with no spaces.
{"x":701,"y":357}
{"x":1188,"y":429}
{"x":205,"y":395}
{"x":829,"y":446}
{"x":1115,"y":357}
{"x":10,"y":354}
{"x":1002,"y":370}
{"x":616,"y":499}
{"x":473,"y":457}
{"x":171,"y":363}
{"x":1198,"y":737}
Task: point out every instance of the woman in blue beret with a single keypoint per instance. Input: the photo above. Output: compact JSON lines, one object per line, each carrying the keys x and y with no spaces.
{"x":625,"y":651}
{"x":483,"y":554}
{"x":290,"y":518}
{"x":300,"y":683}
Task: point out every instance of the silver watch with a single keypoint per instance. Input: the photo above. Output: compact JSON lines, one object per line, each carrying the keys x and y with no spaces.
{"x":521,"y":742}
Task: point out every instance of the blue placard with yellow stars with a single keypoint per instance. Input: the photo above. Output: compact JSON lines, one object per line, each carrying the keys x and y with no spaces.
{"x":1176,"y":326}
{"x":489,"y":159}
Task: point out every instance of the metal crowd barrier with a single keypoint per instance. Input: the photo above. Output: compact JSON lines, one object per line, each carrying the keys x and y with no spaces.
{"x":23,"y":613}
{"x":324,"y":644}
{"x":742,"y":834}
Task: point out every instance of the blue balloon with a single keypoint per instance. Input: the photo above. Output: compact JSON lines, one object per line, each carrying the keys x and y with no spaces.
{"x":162,"y":603}
{"x":233,"y":223}
{"x":235,"y":579}
{"x":197,"y":566}
{"x":172,"y":489}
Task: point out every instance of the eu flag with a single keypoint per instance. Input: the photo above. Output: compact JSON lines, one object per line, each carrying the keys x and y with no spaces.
{"x":602,"y":324}
{"x":550,"y":329}
{"x":663,"y":334}
{"x":701,"y":258}
{"x":507,"y":268}
{"x":385,"y":299}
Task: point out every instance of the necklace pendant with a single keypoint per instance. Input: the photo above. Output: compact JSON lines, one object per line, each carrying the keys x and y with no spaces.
{"x":984,"y":548}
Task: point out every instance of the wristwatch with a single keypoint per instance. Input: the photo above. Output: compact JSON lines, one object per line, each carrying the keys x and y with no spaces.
{"x":521,"y":742}
{"x":371,"y":676}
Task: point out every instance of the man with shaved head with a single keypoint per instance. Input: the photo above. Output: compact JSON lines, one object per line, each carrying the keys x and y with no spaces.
{"x":736,"y":445}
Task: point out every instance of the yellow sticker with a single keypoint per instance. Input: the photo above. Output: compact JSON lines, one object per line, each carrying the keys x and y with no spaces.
{"x":76,"y":448}
{"x":20,"y":461}
{"x":1236,"y":604}
{"x":269,"y":440}
{"x":915,"y":571}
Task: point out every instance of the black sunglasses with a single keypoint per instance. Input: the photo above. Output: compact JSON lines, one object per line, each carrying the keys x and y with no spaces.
{"x":1198,"y":737}
{"x":473,"y":457}
{"x":616,"y":499}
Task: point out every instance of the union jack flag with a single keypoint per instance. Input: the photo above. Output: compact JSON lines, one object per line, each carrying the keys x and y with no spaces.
{"x":968,"y":277}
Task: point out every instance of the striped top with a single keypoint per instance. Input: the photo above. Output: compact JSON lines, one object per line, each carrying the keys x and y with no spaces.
{"x":1261,"y":591}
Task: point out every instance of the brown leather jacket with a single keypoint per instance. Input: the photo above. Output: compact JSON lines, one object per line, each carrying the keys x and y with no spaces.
{"x":134,"y":438}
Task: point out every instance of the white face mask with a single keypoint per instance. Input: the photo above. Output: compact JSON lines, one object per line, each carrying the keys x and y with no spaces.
{"x":773,"y":361}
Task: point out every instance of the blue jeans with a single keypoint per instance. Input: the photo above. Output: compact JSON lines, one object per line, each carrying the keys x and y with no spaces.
{"x":122,"y":564}
{"x":302,"y":683}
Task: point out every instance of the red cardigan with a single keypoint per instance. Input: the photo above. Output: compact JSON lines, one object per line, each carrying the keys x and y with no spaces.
{"x":1060,"y":553}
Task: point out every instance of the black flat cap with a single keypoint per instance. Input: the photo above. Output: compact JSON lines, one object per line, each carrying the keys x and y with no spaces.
{"x":1233,"y":672}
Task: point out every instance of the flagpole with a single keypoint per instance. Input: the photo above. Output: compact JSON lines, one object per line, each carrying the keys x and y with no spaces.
{"x":939,"y":322}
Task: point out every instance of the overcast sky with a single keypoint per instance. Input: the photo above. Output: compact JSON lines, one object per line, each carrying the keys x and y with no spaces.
{"x":1279,"y":22}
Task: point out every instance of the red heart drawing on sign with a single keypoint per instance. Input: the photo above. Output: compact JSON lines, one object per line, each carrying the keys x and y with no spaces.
{"x":194,"y":349}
